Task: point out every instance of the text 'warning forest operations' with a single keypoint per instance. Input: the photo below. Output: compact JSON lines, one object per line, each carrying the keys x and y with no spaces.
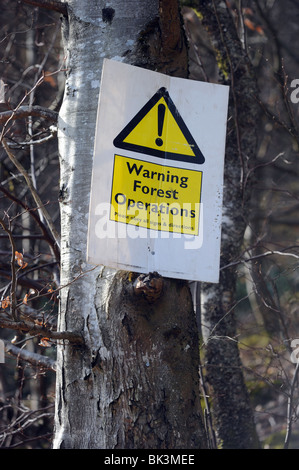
{"x":156,"y":197}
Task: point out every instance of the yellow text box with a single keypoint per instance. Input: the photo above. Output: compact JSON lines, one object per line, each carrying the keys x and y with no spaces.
{"x":156,"y":197}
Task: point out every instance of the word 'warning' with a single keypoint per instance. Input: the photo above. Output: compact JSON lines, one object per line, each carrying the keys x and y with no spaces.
{"x":156,"y":197}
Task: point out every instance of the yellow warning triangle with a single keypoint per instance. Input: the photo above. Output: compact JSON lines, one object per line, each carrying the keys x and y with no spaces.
{"x":159,"y":130}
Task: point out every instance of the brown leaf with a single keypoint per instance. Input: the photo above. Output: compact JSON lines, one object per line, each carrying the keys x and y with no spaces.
{"x":50,"y":80}
{"x":19,"y":259}
{"x":5,"y":302}
{"x":44,"y":342}
{"x":249,"y":24}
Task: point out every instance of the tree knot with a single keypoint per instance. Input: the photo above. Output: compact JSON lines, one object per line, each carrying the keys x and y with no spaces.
{"x":149,"y":285}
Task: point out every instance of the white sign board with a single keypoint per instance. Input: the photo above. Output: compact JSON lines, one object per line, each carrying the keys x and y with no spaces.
{"x":156,"y":193}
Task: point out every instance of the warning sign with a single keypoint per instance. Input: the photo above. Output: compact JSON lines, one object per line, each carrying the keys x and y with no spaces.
{"x":159,"y":130}
{"x":157,"y":176}
{"x":156,"y":197}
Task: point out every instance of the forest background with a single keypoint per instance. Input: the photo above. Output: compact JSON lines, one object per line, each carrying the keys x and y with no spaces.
{"x":32,"y":73}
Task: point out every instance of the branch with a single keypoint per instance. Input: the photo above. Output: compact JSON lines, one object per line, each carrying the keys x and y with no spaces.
{"x":40,"y":330}
{"x":49,"y":5}
{"x":35,"y":195}
{"x":30,"y":284}
{"x":261,"y":255}
{"x":14,"y":111}
{"x":13,"y":270}
{"x":290,"y":416}
{"x":33,"y":142}
{"x":24,"y":419}
{"x":46,"y":235}
{"x":34,"y":358}
{"x":25,"y":111}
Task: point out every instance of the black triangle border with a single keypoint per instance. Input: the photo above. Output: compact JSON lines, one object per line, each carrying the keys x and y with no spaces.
{"x":161,"y":93}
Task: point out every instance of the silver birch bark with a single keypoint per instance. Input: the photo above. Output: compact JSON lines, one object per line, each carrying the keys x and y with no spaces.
{"x":134,"y":383}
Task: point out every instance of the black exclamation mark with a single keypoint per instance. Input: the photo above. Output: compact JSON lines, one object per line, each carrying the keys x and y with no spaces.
{"x":161,"y":115}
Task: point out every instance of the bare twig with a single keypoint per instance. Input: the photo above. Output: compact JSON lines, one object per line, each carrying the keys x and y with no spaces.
{"x":242,"y":29}
{"x":25,"y":111}
{"x":40,"y":330}
{"x":196,"y":52}
{"x":30,"y":284}
{"x":33,"y":142}
{"x":261,"y":165}
{"x":25,"y":419}
{"x":262,"y":255}
{"x":290,"y":417}
{"x":47,"y":236}
{"x":208,"y":417}
{"x":10,"y":118}
{"x":31,"y":101}
{"x":13,"y":285}
{"x":35,"y":195}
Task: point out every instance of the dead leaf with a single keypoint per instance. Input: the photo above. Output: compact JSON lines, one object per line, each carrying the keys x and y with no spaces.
{"x":249,"y":24}
{"x":51,"y":80}
{"x":5,"y":302}
{"x":44,"y":342}
{"x":19,"y":259}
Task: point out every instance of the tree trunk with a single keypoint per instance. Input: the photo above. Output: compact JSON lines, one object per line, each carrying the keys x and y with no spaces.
{"x":231,"y":405}
{"x":134,"y":384}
